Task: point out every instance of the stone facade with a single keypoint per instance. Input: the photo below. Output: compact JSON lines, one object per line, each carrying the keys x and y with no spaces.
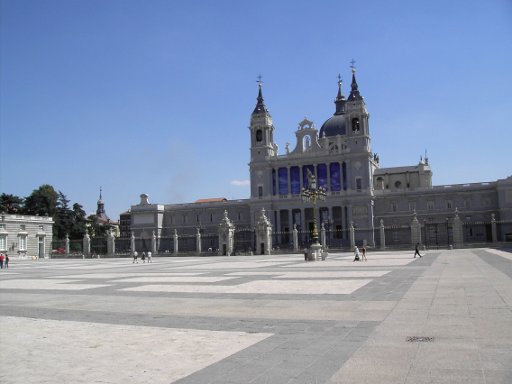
{"x":26,"y":236}
{"x":365,"y":204}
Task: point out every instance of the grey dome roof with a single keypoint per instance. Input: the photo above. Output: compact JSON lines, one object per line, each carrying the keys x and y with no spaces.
{"x":336,"y":125}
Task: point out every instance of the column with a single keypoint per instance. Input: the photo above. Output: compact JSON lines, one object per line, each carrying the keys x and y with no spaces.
{"x":198,"y":241}
{"x":153,"y":244}
{"x":382,"y":235}
{"x":493,"y":229}
{"x":67,"y":244}
{"x":352,"y":237}
{"x":132,"y":244}
{"x":295,"y":238}
{"x":322,"y":236}
{"x":87,"y":244}
{"x":458,"y":238}
{"x":175,"y":242}
{"x":415,"y":230}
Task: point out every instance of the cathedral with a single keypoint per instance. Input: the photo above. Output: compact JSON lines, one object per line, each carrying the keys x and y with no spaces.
{"x":363,"y":204}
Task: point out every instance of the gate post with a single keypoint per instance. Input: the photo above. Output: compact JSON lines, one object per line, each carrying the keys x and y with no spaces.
{"x":87,"y":244}
{"x":263,"y":235}
{"x":415,"y":230}
{"x":111,"y":243}
{"x":198,"y":241}
{"x":458,"y":238}
{"x":67,"y":244}
{"x":295,"y":238}
{"x":493,"y":228}
{"x":153,"y":243}
{"x":322,"y":237}
{"x":226,"y":236}
{"x":382,"y":235}
{"x":175,"y":242}
{"x":352,"y":236}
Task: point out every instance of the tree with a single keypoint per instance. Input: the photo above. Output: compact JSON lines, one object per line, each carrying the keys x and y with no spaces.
{"x":10,"y":203}
{"x":42,"y":201}
{"x":79,"y":220}
{"x":63,"y":217}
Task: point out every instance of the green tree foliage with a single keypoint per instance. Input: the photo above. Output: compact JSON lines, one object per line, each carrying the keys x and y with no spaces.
{"x":63,"y":217}
{"x":42,"y":201}
{"x":11,"y":204}
{"x":79,"y":222}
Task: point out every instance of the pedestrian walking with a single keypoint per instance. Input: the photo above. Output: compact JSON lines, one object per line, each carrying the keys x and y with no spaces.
{"x":2,"y":258}
{"x":150,"y":257}
{"x":417,"y":250}
{"x":6,"y":261}
{"x":364,"y":254}
{"x":135,"y":254}
{"x":143,"y":257}
{"x":356,"y":254}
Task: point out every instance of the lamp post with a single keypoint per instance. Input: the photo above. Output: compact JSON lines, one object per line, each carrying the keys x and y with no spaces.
{"x":311,"y":194}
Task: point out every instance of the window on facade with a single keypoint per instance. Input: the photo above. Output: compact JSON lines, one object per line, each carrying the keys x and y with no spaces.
{"x":335,"y":176}
{"x":449,"y":204}
{"x":398,"y":184}
{"x":197,"y":218}
{"x":211,"y":217}
{"x":23,"y":227}
{"x":260,"y":191}
{"x":380,"y":183}
{"x":3,"y":243}
{"x":355,"y":124}
{"x":412,"y":206}
{"x":359,"y":184}
{"x":295,"y":180}
{"x":259,"y":135}
{"x":430,"y":205}
{"x":274,"y":184}
{"x":321,"y":172}
{"x":184,"y":219}
{"x":22,"y":242}
{"x":394,"y":206}
{"x":283,"y":180}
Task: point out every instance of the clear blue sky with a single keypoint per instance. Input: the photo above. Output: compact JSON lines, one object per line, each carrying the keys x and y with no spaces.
{"x":155,"y":96}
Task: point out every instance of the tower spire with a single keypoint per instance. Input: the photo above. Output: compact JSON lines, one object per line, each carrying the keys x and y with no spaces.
{"x":354,"y":89}
{"x":340,"y":99}
{"x":260,"y":105}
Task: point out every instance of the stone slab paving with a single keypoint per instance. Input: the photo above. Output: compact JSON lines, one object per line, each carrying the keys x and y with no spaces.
{"x":260,"y":319}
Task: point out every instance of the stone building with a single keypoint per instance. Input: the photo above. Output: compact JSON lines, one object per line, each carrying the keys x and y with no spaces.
{"x":364,"y":204}
{"x":26,"y":236}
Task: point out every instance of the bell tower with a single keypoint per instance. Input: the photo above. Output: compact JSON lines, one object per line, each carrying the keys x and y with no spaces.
{"x":262,"y":147}
{"x":262,"y":129}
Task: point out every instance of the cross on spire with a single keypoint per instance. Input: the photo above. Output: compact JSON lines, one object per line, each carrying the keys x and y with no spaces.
{"x":352,"y":65}
{"x":259,"y":81}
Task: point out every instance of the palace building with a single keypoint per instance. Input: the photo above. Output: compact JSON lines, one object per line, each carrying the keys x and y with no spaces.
{"x":364,"y":203}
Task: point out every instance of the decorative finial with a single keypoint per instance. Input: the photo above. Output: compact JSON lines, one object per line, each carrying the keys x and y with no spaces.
{"x":259,"y":81}
{"x":352,"y":65}
{"x":339,"y":79}
{"x":100,"y":193}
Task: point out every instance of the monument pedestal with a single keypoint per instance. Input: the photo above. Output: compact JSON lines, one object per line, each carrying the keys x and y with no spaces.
{"x":315,"y":252}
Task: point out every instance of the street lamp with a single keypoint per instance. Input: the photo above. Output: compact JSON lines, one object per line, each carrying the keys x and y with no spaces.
{"x":311,"y":194}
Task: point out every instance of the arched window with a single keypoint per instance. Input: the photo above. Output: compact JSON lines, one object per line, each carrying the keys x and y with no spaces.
{"x":259,"y":135}
{"x":380,"y":183}
{"x":398,"y":184}
{"x":355,"y":124}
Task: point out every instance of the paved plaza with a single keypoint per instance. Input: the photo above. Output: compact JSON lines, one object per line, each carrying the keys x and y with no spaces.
{"x":444,"y":318}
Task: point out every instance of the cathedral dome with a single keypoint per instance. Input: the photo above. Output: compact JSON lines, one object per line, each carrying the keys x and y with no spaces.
{"x":336,"y":125}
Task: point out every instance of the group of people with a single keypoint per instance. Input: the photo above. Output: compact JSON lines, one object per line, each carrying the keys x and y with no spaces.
{"x":143,"y":257}
{"x":358,"y":256}
{"x":362,"y":257}
{"x":4,"y":260}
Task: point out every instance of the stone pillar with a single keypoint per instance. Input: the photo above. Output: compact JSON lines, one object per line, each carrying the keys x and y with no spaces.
{"x":493,"y":229}
{"x":67,"y":244}
{"x":111,"y":243}
{"x":175,"y":242}
{"x":415,"y":230}
{"x":153,"y":244}
{"x":458,"y":237}
{"x":263,"y":235}
{"x":87,"y":245}
{"x":322,"y":236}
{"x":132,"y":244}
{"x":198,"y":241}
{"x":382,"y":235}
{"x":295,"y":238}
{"x":226,"y":236}
{"x":352,"y":236}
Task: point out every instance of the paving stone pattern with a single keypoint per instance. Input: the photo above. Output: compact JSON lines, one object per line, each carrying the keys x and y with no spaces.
{"x":444,"y":318}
